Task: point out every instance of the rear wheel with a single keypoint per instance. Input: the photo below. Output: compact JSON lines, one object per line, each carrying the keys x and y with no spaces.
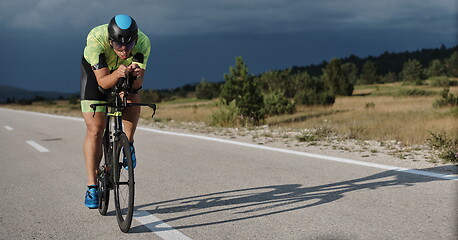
{"x":103,"y":176}
{"x":124,"y":187}
{"x":104,"y":193}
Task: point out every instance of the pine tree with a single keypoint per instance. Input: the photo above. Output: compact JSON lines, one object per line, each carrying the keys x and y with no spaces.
{"x":351,"y":71}
{"x":452,"y":65}
{"x":368,"y":73}
{"x":336,"y":79}
{"x":436,"y":68}
{"x":251,"y":102}
{"x":232,"y":88}
{"x":412,"y":72}
{"x":242,"y":87}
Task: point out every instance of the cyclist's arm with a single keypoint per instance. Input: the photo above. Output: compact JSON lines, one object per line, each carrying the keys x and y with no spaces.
{"x":138,"y":72}
{"x":140,"y":59}
{"x":107,"y":80}
{"x":139,"y":82}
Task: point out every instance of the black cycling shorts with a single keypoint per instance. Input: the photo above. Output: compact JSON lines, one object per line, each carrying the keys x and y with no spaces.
{"x":89,"y":85}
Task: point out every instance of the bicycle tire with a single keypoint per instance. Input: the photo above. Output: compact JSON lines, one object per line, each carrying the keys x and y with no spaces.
{"x":103,"y":176}
{"x":124,"y":185}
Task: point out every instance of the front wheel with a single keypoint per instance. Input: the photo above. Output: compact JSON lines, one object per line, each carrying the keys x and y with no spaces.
{"x":124,"y":186}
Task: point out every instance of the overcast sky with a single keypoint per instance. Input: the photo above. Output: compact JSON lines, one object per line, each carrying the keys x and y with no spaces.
{"x":191,"y":40}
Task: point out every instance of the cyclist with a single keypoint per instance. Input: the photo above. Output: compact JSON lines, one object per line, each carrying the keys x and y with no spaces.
{"x":112,"y":51}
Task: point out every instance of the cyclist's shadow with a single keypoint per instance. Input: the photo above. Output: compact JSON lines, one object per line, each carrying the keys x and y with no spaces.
{"x":249,"y":203}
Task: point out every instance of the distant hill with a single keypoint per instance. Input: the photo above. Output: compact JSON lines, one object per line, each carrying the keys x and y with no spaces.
{"x":9,"y":93}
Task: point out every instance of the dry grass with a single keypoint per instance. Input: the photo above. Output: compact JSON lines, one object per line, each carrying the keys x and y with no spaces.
{"x":408,"y":120}
{"x":190,"y":110}
{"x":405,"y":119}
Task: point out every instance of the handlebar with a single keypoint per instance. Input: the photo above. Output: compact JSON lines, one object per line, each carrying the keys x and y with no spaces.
{"x":123,"y":85}
{"x":150,"y":105}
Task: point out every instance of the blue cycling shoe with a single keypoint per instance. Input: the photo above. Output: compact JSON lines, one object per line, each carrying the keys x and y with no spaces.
{"x":92,"y":197}
{"x":134,"y":159}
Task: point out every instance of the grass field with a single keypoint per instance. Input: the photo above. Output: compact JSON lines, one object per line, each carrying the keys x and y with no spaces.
{"x":375,"y":112}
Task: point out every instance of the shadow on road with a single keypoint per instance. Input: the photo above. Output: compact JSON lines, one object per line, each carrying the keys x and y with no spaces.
{"x":249,"y":203}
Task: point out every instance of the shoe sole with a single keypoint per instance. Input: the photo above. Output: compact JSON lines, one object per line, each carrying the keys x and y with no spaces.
{"x":92,"y":206}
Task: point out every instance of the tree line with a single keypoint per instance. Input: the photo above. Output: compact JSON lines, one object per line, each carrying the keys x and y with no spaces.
{"x":389,"y":63}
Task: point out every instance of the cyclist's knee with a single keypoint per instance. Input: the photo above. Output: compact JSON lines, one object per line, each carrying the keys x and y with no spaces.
{"x":94,"y":132}
{"x":94,"y":124}
{"x":95,"y":129}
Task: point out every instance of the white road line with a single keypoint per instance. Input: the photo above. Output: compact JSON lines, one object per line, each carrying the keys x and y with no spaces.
{"x":37,"y":146}
{"x":159,"y":227}
{"x":8,"y":128}
{"x":329,"y":158}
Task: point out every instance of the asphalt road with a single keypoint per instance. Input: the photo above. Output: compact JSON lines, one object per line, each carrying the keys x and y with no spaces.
{"x":201,"y":189}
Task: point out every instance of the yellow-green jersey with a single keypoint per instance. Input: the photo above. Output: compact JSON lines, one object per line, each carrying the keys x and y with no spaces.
{"x":97,"y":44}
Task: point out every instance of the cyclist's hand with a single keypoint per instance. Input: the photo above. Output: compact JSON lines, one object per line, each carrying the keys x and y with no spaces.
{"x":121,"y":94}
{"x":135,"y":70}
{"x":121,"y":71}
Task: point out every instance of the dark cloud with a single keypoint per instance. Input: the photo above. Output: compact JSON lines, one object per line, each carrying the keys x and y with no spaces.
{"x":210,"y":16}
{"x":192,"y":40}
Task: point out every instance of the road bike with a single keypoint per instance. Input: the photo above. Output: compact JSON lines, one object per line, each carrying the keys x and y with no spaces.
{"x":112,"y":172}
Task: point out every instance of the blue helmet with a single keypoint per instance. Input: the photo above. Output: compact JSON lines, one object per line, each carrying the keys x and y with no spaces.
{"x":122,"y":29}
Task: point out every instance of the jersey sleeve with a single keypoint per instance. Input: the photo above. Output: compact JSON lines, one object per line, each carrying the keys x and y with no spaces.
{"x":144,"y":47}
{"x":94,"y":47}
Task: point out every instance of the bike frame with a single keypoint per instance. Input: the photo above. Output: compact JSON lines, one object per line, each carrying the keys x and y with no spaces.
{"x":115,"y":113}
{"x":114,"y":138}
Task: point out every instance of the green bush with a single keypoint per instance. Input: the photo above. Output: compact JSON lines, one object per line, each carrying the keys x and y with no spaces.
{"x":369,"y":105}
{"x":317,"y":134}
{"x":414,"y":93}
{"x":447,"y":99}
{"x":207,"y":90}
{"x":311,"y":97}
{"x":151,"y":96}
{"x":276,"y":103}
{"x":448,"y":148}
{"x":307,"y":137}
{"x":225,"y":116}
{"x":441,"y":81}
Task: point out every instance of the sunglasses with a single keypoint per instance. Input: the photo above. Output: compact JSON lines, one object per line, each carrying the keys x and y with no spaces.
{"x":118,"y":46}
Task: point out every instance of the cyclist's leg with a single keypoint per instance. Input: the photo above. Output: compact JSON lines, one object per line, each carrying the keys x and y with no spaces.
{"x":92,"y":145}
{"x":95,"y":124}
{"x":130,"y":117}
